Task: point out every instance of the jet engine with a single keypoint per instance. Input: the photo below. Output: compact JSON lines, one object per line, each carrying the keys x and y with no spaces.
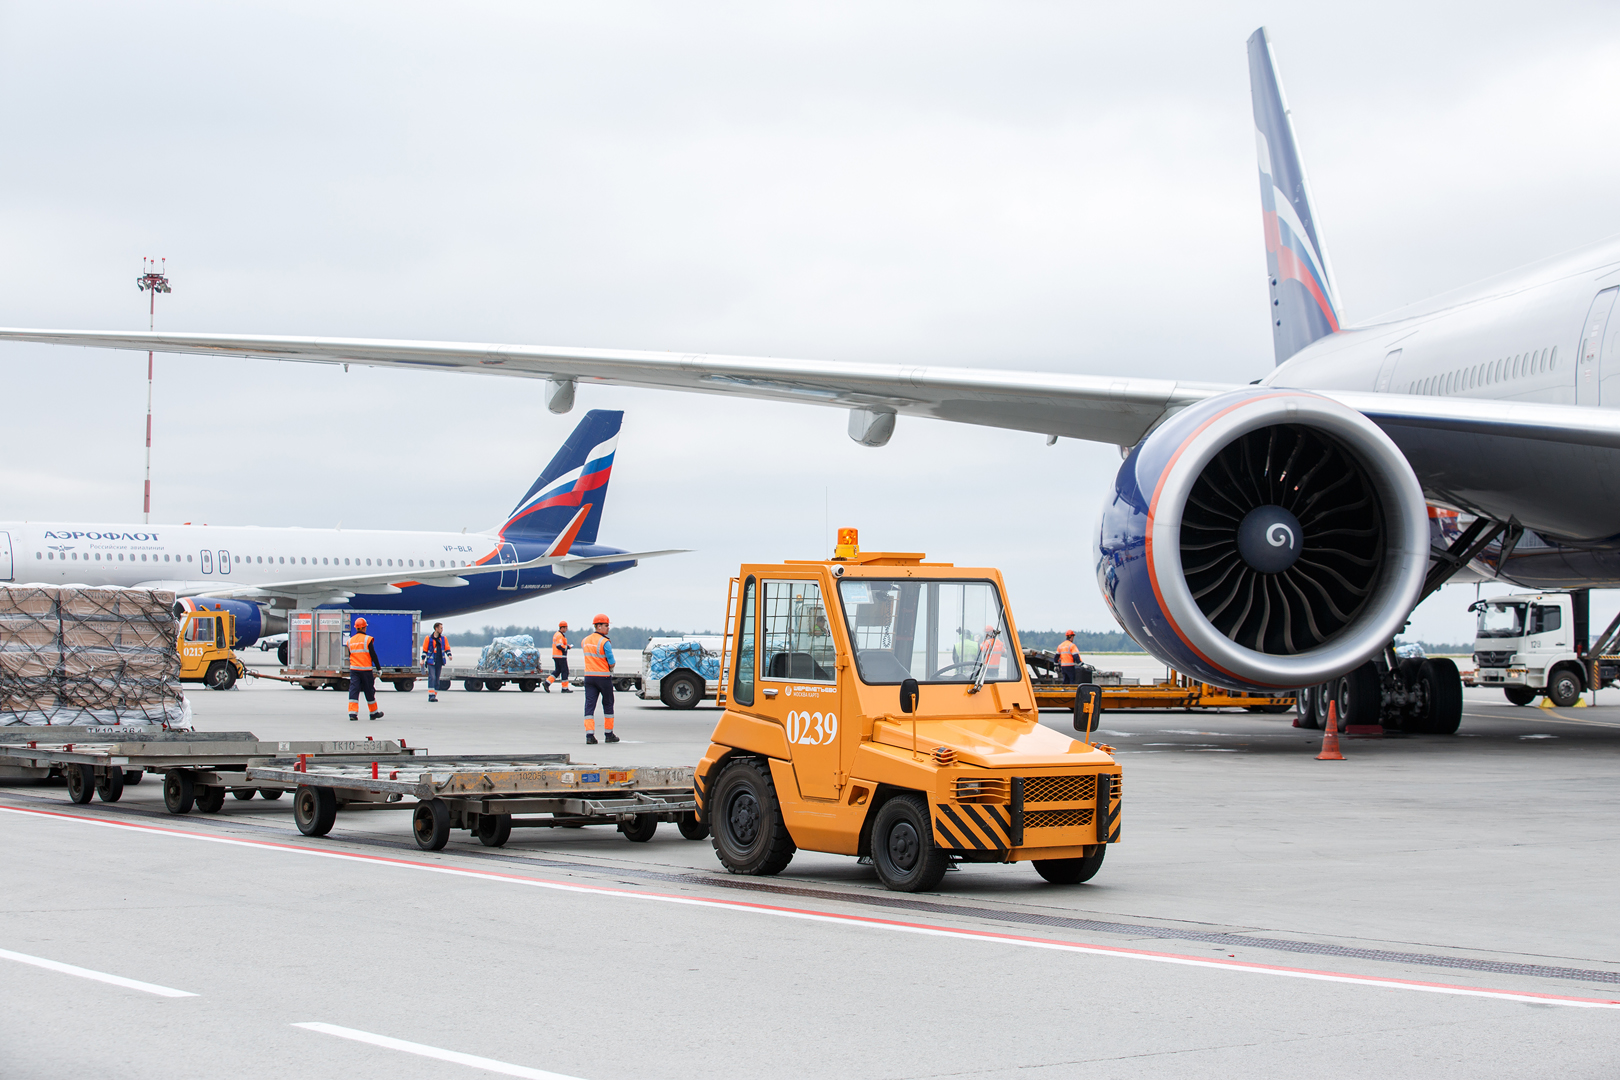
{"x":1264,"y":539}
{"x":252,"y":621}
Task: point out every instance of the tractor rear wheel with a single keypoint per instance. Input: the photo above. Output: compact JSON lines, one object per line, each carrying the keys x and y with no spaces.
{"x":749,"y":835}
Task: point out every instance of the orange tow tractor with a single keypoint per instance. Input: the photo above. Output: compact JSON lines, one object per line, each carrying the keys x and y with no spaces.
{"x":878,"y":705}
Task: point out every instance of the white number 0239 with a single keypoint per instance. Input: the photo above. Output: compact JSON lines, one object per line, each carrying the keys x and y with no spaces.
{"x":811,"y":728}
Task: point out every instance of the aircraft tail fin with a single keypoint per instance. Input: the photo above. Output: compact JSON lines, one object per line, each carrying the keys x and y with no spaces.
{"x":1304,"y":301}
{"x":575,"y":481}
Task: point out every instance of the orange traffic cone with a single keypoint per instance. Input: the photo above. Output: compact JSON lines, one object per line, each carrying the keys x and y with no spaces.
{"x":1330,"y":737}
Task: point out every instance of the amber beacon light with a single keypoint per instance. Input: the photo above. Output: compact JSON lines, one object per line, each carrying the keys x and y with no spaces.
{"x":849,"y":544}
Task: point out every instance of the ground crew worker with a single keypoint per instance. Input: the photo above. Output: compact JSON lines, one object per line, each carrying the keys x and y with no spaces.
{"x":363,"y":665}
{"x":598,"y":681}
{"x":1068,"y":655}
{"x":991,"y":650}
{"x":966,"y":649}
{"x":559,"y":659}
{"x":435,"y":651}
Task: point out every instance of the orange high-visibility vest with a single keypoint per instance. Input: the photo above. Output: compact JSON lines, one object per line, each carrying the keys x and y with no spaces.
{"x":559,"y":644}
{"x":360,"y":652}
{"x":595,"y":656}
{"x":1068,"y":654}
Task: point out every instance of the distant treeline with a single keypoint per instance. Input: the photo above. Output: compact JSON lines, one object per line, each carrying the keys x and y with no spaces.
{"x":623,"y":637}
{"x":1088,"y":641}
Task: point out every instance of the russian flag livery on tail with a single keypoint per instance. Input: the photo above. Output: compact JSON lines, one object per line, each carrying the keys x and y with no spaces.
{"x":576,"y":478}
{"x":1304,"y":303}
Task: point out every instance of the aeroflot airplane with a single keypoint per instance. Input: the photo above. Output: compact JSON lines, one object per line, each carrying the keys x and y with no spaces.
{"x":1274,"y":534}
{"x":547,"y":544}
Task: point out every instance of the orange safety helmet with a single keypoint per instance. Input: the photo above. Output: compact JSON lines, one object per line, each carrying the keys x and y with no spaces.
{"x":600,"y":619}
{"x":360,"y":623}
{"x":562,"y":625}
{"x":1068,"y":633}
{"x":989,"y":628}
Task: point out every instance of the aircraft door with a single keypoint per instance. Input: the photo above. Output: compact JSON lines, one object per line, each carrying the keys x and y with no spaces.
{"x":509,"y":578}
{"x":224,"y":562}
{"x":5,"y":556}
{"x":1592,"y":335}
{"x":208,"y":562}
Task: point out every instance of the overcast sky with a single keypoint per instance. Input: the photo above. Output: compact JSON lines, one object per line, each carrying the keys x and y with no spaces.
{"x":1055,"y":187}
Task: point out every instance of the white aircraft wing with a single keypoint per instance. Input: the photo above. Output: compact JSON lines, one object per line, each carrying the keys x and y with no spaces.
{"x":1099,"y":408}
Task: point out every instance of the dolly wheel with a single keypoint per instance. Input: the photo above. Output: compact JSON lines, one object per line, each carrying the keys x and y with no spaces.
{"x":749,"y":834}
{"x":430,"y":823}
{"x":494,"y":830}
{"x":243,"y":793}
{"x":639,"y":829}
{"x":903,"y":851}
{"x":270,"y":793}
{"x":81,"y":781}
{"x":210,"y":798}
{"x":315,"y":810}
{"x":1071,"y":871}
{"x":133,"y":776}
{"x":179,"y":793}
{"x":111,"y":785}
{"x":691,"y":827}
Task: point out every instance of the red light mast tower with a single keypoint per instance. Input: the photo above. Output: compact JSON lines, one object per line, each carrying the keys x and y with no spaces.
{"x":153,"y":279}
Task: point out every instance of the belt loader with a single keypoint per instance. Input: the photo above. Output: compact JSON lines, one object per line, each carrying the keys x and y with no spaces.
{"x":876,"y":705}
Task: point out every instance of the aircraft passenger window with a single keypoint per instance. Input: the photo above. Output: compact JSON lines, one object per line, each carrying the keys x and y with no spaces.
{"x":390,"y":562}
{"x":1552,"y":360}
{"x":38,"y":555}
{"x":53,"y":555}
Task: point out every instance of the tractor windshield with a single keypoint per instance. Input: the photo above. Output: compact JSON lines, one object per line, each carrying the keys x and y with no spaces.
{"x":931,"y":631}
{"x":1501,"y":620}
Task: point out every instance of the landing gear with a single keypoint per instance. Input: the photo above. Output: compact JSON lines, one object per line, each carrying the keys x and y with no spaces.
{"x":1305,"y":715}
{"x":1418,"y":696}
{"x":1436,"y":699}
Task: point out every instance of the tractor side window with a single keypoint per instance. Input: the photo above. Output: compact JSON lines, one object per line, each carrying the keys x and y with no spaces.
{"x":1547,"y":617}
{"x":742,"y":687}
{"x":200,"y":630}
{"x":798,"y":642}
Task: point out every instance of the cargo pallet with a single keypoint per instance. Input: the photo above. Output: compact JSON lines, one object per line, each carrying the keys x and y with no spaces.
{"x":484,"y":794}
{"x":198,"y":768}
{"x":1176,"y":692}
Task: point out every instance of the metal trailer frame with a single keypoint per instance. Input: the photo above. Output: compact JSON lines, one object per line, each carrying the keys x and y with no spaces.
{"x":486,"y":793}
{"x":198,"y":768}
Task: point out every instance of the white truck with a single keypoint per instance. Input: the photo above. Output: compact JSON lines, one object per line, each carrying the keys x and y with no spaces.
{"x":680,"y":671}
{"x":1536,"y":643}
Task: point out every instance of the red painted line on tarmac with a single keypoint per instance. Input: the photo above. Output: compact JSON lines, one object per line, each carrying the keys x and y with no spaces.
{"x":1241,"y":966}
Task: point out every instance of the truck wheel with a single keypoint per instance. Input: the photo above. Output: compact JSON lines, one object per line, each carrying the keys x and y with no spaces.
{"x":81,"y":782}
{"x":640,"y":829}
{"x":179,"y":793}
{"x":210,"y":799}
{"x":1519,"y":695}
{"x":681,"y":690}
{"x":243,"y":793}
{"x":1071,"y":871}
{"x":404,"y":686}
{"x":691,"y":827}
{"x":494,"y":830}
{"x":1564,"y":688}
{"x":314,"y":810}
{"x":903,"y":850}
{"x":1305,"y":709}
{"x":472,"y":684}
{"x":1439,"y":699}
{"x":749,"y":834}
{"x":527,"y":685}
{"x":111,"y":785}
{"x":270,"y":793}
{"x":430,"y":824}
{"x":220,"y":676}
{"x":281,"y":654}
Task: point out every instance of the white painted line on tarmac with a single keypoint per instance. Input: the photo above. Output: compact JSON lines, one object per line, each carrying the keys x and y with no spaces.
{"x":866,"y":921}
{"x":455,"y":1057}
{"x":99,"y":976}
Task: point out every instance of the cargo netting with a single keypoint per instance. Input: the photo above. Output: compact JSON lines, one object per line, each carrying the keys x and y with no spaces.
{"x":89,"y":656}
{"x":510,"y":656}
{"x":664,"y":659}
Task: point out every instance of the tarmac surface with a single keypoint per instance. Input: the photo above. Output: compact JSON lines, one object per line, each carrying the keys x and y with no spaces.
{"x":1430,"y":907}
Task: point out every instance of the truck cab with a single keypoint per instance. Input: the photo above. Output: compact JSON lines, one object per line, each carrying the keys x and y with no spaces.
{"x":205,"y":639}
{"x":877,"y":705}
{"x":1529,"y":644}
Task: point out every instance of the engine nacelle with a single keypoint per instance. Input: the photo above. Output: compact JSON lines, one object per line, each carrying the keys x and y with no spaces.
{"x":1264,"y":539}
{"x":252,"y":621}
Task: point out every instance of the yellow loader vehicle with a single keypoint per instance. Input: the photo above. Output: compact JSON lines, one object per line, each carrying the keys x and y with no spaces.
{"x":205,"y":649}
{"x":878,"y":705}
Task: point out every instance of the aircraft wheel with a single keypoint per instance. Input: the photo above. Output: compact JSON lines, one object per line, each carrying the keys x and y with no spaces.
{"x":903,"y":850}
{"x":314,"y":810}
{"x":1359,"y":696}
{"x":1519,"y":695}
{"x":1440,"y":702}
{"x":1071,"y":871}
{"x":1305,"y":715}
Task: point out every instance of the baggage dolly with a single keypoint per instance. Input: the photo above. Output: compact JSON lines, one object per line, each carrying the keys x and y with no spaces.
{"x":486,"y":794}
{"x":198,"y":767}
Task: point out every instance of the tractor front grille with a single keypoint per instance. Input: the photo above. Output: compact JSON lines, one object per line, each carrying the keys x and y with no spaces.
{"x":1050,"y":789}
{"x":994,"y":790}
{"x":1056,"y":819}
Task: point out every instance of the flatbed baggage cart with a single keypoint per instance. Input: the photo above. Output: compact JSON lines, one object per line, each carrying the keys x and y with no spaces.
{"x":490,"y":795}
{"x":198,"y":768}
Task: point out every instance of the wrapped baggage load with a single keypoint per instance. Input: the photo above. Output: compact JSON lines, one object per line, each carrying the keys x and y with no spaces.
{"x":89,"y":656}
{"x":510,"y":656}
{"x":663,"y":659}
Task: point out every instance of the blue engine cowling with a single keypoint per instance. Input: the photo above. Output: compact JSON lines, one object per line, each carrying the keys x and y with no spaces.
{"x":1264,"y":539}
{"x":252,"y":621}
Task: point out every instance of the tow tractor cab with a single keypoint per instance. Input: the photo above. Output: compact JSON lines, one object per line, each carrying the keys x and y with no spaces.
{"x":1536,"y":643}
{"x":877,"y":705}
{"x":205,"y":649}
